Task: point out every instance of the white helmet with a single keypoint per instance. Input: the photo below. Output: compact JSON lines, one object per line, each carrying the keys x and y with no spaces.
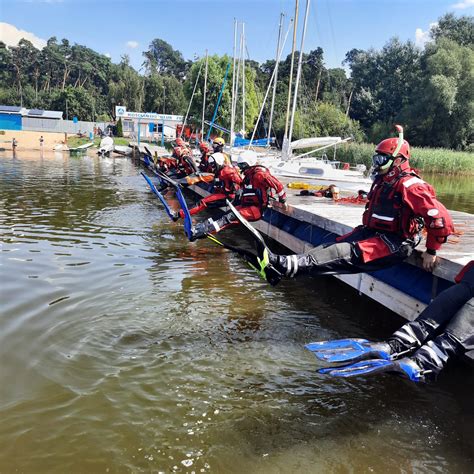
{"x":217,"y":159}
{"x":247,"y":158}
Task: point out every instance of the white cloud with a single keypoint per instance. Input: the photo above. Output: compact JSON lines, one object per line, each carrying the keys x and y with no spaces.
{"x":108,"y":55}
{"x":422,"y":37}
{"x":132,"y":44}
{"x":11,"y":35}
{"x":464,"y":4}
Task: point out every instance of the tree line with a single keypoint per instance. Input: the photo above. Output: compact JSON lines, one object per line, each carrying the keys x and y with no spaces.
{"x":430,"y":90}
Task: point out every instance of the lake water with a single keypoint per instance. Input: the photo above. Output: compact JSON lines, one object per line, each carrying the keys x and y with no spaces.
{"x":124,"y":348}
{"x":456,"y":192}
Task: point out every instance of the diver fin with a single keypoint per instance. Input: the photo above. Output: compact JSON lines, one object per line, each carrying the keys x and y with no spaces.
{"x":272,"y":275}
{"x":262,"y":264}
{"x":365,"y":367}
{"x":407,"y":367}
{"x":167,"y":179}
{"x":188,"y":222}
{"x":168,"y":210}
{"x":349,"y":350}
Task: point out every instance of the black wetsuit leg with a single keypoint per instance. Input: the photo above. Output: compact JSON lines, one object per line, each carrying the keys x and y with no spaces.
{"x":343,"y":257}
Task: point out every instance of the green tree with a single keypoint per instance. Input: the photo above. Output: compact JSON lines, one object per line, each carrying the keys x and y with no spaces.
{"x":161,"y":58}
{"x":119,"y":127}
{"x":126,"y":87}
{"x":442,"y":110}
{"x":460,"y":30}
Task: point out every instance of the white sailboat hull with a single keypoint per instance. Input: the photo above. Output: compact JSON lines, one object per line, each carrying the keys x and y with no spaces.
{"x":320,"y":172}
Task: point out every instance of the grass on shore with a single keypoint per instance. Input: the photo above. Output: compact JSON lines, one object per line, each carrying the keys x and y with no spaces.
{"x":74,"y":141}
{"x":428,"y":160}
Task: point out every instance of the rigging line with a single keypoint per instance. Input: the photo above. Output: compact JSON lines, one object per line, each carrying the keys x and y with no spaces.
{"x":331,"y":27}
{"x":257,"y":92}
{"x":256,"y":89}
{"x":191,"y":100}
{"x":268,"y":88}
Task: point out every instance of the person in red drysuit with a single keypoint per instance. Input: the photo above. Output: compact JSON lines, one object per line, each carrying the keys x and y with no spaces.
{"x":252,"y":199}
{"x":205,"y":149}
{"x":227,"y":181}
{"x":420,"y":349}
{"x":399,"y":205}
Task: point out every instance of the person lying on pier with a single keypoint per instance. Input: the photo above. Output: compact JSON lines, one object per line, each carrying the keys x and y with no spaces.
{"x":421,"y":348}
{"x":181,"y":143}
{"x":331,"y":192}
{"x":227,"y":181}
{"x":251,"y":200}
{"x":399,"y":205}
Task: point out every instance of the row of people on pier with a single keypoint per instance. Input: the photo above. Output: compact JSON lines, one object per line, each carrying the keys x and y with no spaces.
{"x":399,"y":206}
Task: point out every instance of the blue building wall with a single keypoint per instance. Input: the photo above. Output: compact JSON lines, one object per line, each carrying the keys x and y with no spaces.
{"x":10,"y":121}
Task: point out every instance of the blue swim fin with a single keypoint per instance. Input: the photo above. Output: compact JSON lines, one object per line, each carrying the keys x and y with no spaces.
{"x":406,"y":367}
{"x":168,"y":210}
{"x":164,"y":177}
{"x":188,"y":222}
{"x":349,"y":350}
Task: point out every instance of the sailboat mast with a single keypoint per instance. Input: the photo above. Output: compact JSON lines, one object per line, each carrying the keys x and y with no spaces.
{"x":298,"y":73}
{"x":282,"y":15}
{"x":204,"y":96}
{"x":295,"y":26}
{"x":232,"y":111}
{"x":243,"y":77}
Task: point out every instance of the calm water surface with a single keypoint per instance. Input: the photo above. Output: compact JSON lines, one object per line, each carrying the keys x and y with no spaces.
{"x":123,"y":348}
{"x":456,"y":192}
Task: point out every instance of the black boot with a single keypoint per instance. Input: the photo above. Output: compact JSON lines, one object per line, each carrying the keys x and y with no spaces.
{"x":290,"y":265}
{"x":200,"y":230}
{"x":410,"y":337}
{"x":431,"y":358}
{"x":323,"y":260}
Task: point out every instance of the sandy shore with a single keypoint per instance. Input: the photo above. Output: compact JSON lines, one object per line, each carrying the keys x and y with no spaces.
{"x":31,"y":140}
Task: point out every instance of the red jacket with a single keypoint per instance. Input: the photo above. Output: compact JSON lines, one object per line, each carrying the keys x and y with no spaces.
{"x":258,"y":185}
{"x":402,"y":203}
{"x":464,"y":271}
{"x":228,"y":179}
{"x":204,"y":165}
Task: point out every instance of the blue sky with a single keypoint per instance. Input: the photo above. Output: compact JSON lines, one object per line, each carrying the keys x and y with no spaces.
{"x":127,"y":26}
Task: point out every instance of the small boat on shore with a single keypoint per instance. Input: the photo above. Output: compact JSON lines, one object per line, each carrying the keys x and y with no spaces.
{"x":123,"y":150}
{"x":106,"y":146}
{"x":81,"y":148}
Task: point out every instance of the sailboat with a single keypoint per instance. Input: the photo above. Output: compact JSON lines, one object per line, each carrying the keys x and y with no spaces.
{"x":320,"y":170}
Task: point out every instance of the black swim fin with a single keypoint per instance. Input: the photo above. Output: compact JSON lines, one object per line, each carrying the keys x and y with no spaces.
{"x":272,"y":275}
{"x":261,"y":261}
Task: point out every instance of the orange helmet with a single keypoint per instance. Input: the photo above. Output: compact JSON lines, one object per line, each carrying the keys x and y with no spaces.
{"x":205,"y":147}
{"x":180,"y":142}
{"x":178,"y":151}
{"x":389,"y":146}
